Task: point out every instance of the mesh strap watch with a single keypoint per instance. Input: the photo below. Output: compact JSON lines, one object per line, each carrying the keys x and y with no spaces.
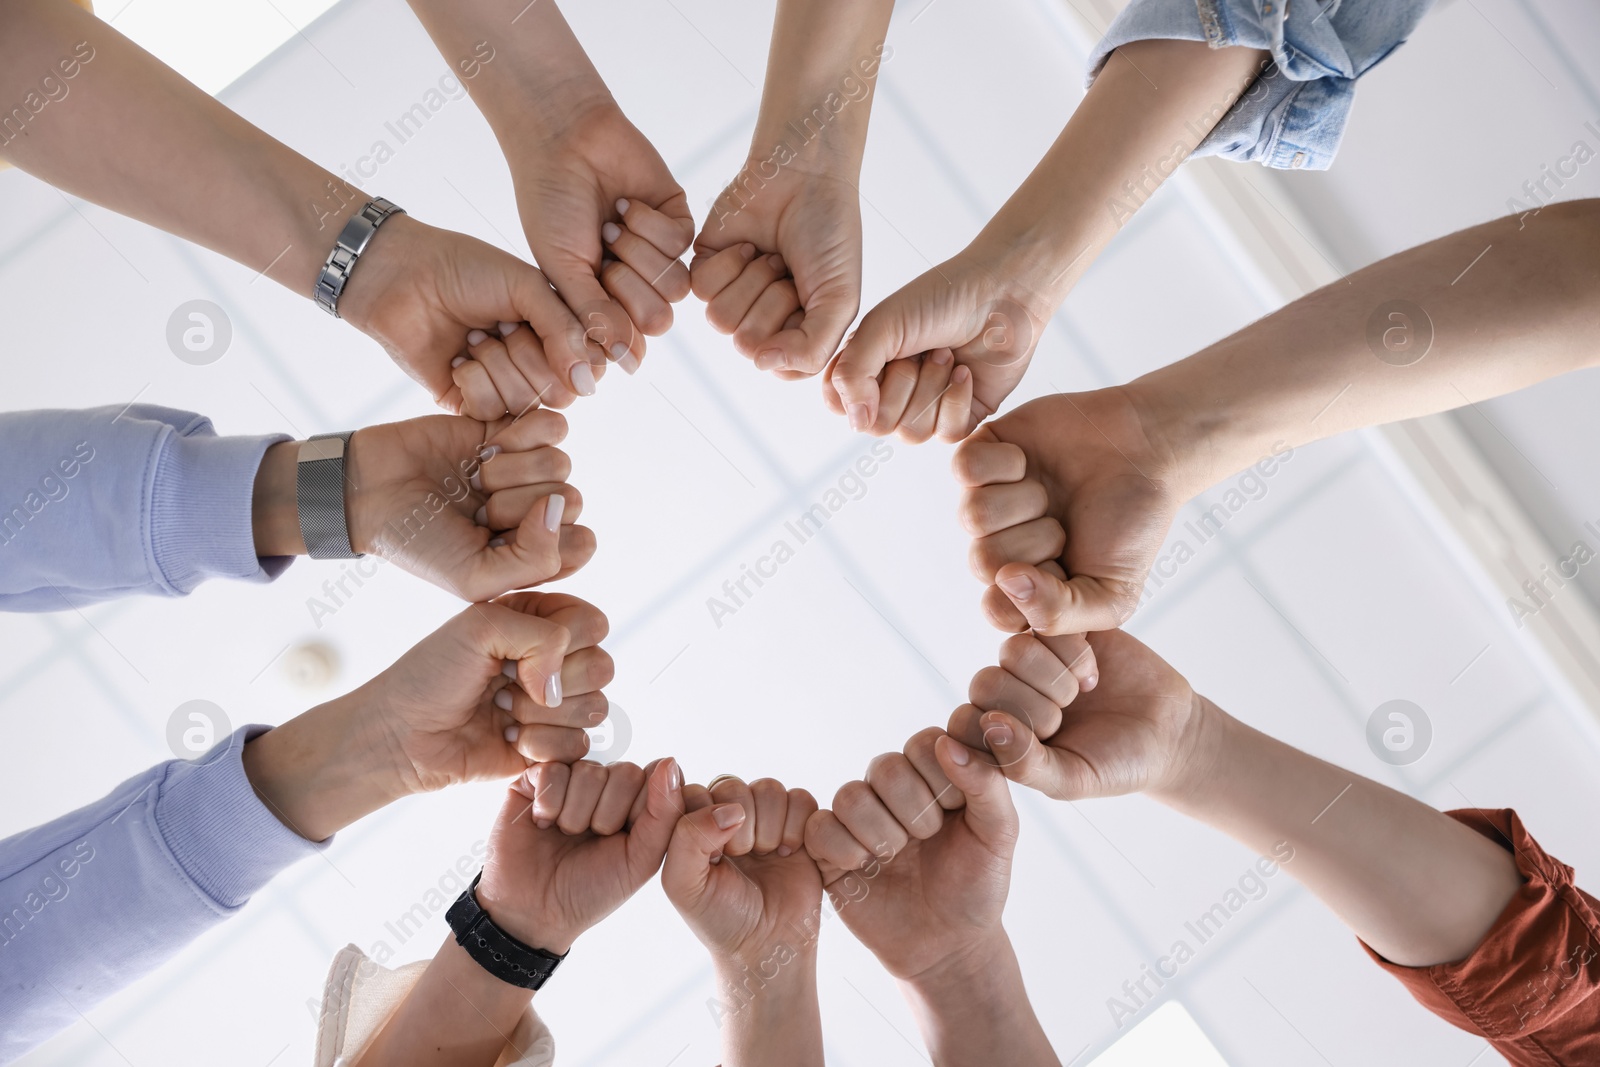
{"x":495,"y":950}
{"x":319,"y":496}
{"x":353,"y":240}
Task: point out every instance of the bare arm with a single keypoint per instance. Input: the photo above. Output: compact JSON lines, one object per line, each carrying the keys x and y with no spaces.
{"x":133,"y":136}
{"x":1477,"y":314}
{"x":1154,"y":102}
{"x":1410,"y":881}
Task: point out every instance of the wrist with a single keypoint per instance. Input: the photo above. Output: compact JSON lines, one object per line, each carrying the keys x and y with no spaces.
{"x":274,"y":504}
{"x":770,"y":1016}
{"x":1039,"y":254}
{"x":500,"y":904}
{"x":324,"y":769}
{"x":1208,"y":431}
{"x":1197,"y":767}
{"x":973,"y":962}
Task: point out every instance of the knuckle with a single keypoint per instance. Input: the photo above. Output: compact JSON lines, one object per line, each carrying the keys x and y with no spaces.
{"x":852,"y":798}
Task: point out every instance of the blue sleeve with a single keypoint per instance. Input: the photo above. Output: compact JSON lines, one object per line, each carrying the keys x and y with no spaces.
{"x":110,"y":501}
{"x":99,"y":898}
{"x":1293,"y":116}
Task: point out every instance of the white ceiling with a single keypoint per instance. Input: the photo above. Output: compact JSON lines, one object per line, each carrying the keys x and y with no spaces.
{"x":1327,"y":597}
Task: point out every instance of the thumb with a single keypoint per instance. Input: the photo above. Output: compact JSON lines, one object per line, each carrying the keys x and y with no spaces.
{"x":580,"y":333}
{"x":1054,"y":606}
{"x":880,"y":338}
{"x":652,"y":831}
{"x":537,"y":646}
{"x":535,"y":554}
{"x":990,"y":814}
{"x":697,"y":839}
{"x":828,"y":314}
{"x":1026,"y":760}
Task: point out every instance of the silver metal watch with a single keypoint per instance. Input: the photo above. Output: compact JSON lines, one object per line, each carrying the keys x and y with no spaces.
{"x":353,"y":240}
{"x":319,"y":496}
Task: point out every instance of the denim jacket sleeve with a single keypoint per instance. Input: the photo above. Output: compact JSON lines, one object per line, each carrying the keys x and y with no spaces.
{"x":1294,"y":115}
{"x":107,"y":502}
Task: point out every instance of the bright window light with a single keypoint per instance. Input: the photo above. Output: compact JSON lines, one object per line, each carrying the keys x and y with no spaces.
{"x":1169,"y":1036}
{"x":211,"y":44}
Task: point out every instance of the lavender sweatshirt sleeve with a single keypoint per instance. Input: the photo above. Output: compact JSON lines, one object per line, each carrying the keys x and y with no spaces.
{"x":110,"y":501}
{"x":99,"y":898}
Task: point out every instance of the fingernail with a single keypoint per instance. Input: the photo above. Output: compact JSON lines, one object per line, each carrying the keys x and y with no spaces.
{"x":960,"y":374}
{"x":728,"y":815}
{"x":544,"y":824}
{"x":747,"y":251}
{"x":553,"y":510}
{"x":775,"y":261}
{"x":476,"y":337}
{"x":474,"y":481}
{"x":512,"y":731}
{"x":716,"y":859}
{"x":454,"y":363}
{"x":502,"y":700}
{"x":488,"y":452}
{"x":610,"y":231}
{"x":497,"y":542}
{"x":959,"y":754}
{"x":770,"y":359}
{"x":1089,"y":683}
{"x":509,"y":669}
{"x":674,"y":775}
{"x":582,"y":379}
{"x":552,"y":691}
{"x":858,"y":417}
{"x":628,"y":362}
{"x":508,"y":328}
{"x":481,"y":516}
{"x":622,"y":207}
{"x":785,"y":850}
{"x":941,"y":356}
{"x":1018,"y":586}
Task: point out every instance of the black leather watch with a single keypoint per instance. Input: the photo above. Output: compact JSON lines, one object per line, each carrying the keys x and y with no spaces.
{"x":495,"y":950}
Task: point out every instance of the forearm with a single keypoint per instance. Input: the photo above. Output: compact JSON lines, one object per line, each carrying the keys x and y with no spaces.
{"x":1151,"y":105}
{"x":774,"y":1022}
{"x":1470,"y":316}
{"x":822,"y":70}
{"x":323,"y":770}
{"x":457,"y":1014}
{"x":135,"y":137}
{"x":975,"y":1009}
{"x":1410,"y":881}
{"x":521,"y":62}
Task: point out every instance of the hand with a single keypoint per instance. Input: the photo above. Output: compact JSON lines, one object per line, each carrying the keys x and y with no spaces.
{"x":606,"y":221}
{"x":475,"y":508}
{"x":1138,"y":731}
{"x":447,"y":711}
{"x":942,"y":353}
{"x":917,"y":857}
{"x":1080,"y":478}
{"x":572,"y":844}
{"x":421,"y":291}
{"x":450,"y":713}
{"x":738,"y":872}
{"x":778,"y":263}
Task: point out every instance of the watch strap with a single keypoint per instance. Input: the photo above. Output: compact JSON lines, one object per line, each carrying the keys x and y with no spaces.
{"x":319,"y":496}
{"x":495,"y":950}
{"x":347,"y":249}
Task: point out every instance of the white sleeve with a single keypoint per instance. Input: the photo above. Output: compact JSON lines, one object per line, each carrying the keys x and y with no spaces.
{"x":360,"y":995}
